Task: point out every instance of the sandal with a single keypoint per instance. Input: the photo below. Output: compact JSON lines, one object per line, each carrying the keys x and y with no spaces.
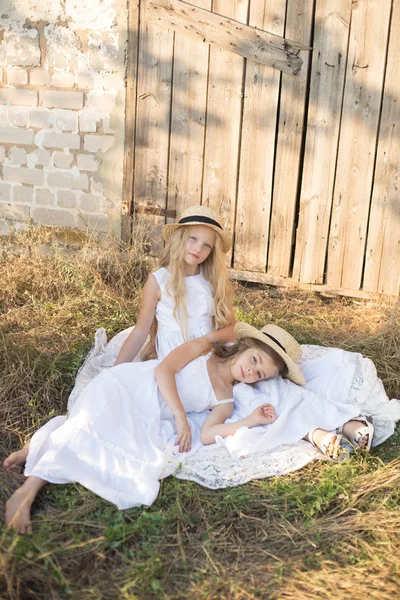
{"x":334,"y":446}
{"x":357,"y":439}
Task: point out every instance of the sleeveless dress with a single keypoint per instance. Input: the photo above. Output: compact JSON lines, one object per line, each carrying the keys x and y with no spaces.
{"x":200,"y":308}
{"x":114,"y":441}
{"x":199,"y":302}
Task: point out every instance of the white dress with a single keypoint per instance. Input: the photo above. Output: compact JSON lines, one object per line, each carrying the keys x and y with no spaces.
{"x":200,"y":310}
{"x":199,"y":303}
{"x":115,"y":439}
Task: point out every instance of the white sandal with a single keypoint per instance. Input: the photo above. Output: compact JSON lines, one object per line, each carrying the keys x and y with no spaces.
{"x":341,"y":449}
{"x":357,"y":438}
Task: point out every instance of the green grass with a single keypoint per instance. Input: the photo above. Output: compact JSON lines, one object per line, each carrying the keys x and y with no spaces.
{"x":327,"y":531}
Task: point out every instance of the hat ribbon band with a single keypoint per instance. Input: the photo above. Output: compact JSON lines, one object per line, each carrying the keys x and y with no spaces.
{"x":199,"y":219}
{"x":276,"y":341}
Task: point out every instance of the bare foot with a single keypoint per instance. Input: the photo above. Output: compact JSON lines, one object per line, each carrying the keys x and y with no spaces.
{"x":16,"y":460}
{"x":18,"y":511}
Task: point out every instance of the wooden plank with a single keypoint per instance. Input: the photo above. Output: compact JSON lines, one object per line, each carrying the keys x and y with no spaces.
{"x":189,"y":100}
{"x":227,"y":34}
{"x":261,"y":96}
{"x":361,"y":106}
{"x":130,"y":117}
{"x":265,"y":278}
{"x":224,"y":122}
{"x":153,"y":122}
{"x":332,"y":26}
{"x":382,"y":264}
{"x":299,"y":19}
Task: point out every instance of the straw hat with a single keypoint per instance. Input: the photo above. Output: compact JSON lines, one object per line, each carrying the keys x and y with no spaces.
{"x":200,"y":215}
{"x":279,"y":340}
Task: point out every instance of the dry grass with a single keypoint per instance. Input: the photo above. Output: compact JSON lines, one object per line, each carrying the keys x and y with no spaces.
{"x":328,"y":531}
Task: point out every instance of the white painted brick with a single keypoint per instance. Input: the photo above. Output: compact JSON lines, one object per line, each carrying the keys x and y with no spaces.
{"x":23,"y":175}
{"x":66,"y":199}
{"x":63,"y":80}
{"x":90,"y":80}
{"x":2,"y":153}
{"x":41,"y":118}
{"x":53,"y":217}
{"x":18,"y":97}
{"x":88,"y":122}
{"x":61,"y":99}
{"x":17,"y":156}
{"x":39,"y":77}
{"x":5,"y":192}
{"x":22,"y":193}
{"x":93,"y":143}
{"x":38,"y":157}
{"x":43,"y":197}
{"x":5,"y":228}
{"x":63,"y":47}
{"x":89,"y":202}
{"x":88,"y":162}
{"x":93,"y":222}
{"x":83,"y":15}
{"x":103,"y":51}
{"x":21,"y":47}
{"x":62,"y":140}
{"x":106,"y":125}
{"x":62,"y":160}
{"x":113,"y":81}
{"x":17,"y":76}
{"x":72,"y":180}
{"x":65,"y":120}
{"x":96,"y":186}
{"x":19,"y":116}
{"x":18,"y":212}
{"x":13,"y":135}
{"x":102,"y":102}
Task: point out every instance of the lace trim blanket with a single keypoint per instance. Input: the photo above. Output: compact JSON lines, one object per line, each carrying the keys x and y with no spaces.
{"x":340,"y":385}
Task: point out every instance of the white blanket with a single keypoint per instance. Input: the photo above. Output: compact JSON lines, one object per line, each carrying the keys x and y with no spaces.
{"x":340,"y":385}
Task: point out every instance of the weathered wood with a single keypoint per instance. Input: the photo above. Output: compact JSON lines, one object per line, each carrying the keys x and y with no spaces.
{"x":188,"y":117}
{"x":153,"y":122}
{"x":361,"y":106}
{"x":224,"y":122}
{"x":299,"y":18}
{"x":226,"y":34}
{"x":130,"y":116}
{"x":382,"y":263}
{"x":258,"y":147}
{"x":265,"y":278}
{"x":331,"y":33}
{"x":154,"y":210}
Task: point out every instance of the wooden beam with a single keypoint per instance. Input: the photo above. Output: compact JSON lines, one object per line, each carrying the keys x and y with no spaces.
{"x":226,"y":34}
{"x":264,"y":278}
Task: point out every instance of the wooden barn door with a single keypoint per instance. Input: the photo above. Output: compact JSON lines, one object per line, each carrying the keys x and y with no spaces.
{"x":204,"y":87}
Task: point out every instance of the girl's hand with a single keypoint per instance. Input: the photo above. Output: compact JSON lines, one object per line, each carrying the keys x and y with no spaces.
{"x":184,"y":439}
{"x":263,"y":415}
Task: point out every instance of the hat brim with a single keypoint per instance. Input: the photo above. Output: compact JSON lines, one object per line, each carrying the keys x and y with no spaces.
{"x":169,"y":229}
{"x":243,"y":330}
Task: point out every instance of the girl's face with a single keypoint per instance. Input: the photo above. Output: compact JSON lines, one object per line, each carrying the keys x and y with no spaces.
{"x":253,"y":365}
{"x":199,"y":245}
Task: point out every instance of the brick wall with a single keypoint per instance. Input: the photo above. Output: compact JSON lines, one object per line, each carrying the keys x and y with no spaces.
{"x":62,"y":105}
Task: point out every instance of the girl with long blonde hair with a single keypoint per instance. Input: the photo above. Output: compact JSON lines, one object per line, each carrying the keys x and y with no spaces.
{"x":189,"y":297}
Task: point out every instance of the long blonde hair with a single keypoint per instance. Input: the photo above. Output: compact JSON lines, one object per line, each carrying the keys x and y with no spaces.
{"x":214,"y":269}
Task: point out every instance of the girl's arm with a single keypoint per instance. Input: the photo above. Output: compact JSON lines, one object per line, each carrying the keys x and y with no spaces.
{"x":134,"y":342}
{"x":214,"y":424}
{"x":223,"y":335}
{"x":165,"y":376}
